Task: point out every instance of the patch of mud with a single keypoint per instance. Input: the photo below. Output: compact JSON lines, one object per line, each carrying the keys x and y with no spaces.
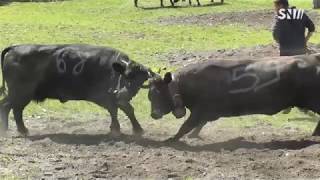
{"x":257,"y":19}
{"x":182,"y":57}
{"x":85,"y":150}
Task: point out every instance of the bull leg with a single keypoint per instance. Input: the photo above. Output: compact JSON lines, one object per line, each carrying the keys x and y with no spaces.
{"x":129,"y":111}
{"x":136,"y":3}
{"x":316,"y":131}
{"x":112,"y":108}
{"x":17,"y":113}
{"x":115,"y":126}
{"x":198,"y":3}
{"x":195,"y":133}
{"x":190,"y":2}
{"x":161,"y":3}
{"x":186,"y":127}
{"x":172,"y":2}
{"x":5,"y":108}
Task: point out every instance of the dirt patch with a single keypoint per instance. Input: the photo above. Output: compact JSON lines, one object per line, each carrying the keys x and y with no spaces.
{"x":257,"y":19}
{"x":182,"y":57}
{"x":72,"y":149}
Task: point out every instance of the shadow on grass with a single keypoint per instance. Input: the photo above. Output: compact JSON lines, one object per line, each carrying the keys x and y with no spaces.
{"x":231,"y":145}
{"x":174,"y":7}
{"x":7,"y":2}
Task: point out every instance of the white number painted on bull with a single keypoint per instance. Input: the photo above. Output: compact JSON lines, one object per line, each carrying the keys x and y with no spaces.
{"x":77,"y":69}
{"x":61,"y":65}
{"x":256,"y":86}
{"x":236,"y":77}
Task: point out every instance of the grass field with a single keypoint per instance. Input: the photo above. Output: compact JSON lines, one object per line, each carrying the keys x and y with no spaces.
{"x":118,"y":24}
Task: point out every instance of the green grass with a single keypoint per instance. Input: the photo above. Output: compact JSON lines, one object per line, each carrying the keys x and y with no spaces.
{"x":118,"y":24}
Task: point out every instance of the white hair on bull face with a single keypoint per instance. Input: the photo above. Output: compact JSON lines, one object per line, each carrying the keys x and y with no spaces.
{"x":125,"y":62}
{"x":118,"y":57}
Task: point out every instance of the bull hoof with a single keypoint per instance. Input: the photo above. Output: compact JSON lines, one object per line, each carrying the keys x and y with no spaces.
{"x":315,"y":133}
{"x":115,"y":133}
{"x":194,"y":136}
{"x":24,"y":132}
{"x":138,"y":132}
{"x":170,"y":140}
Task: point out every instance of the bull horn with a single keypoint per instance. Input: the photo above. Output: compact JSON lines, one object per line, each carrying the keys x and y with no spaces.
{"x":153,"y":74}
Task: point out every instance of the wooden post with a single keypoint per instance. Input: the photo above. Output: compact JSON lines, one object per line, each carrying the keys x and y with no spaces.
{"x":316,"y":4}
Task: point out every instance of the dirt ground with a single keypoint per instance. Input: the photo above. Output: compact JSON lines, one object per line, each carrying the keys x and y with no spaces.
{"x":70,"y":148}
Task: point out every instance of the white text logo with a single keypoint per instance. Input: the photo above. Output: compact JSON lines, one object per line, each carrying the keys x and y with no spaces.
{"x":290,"y":14}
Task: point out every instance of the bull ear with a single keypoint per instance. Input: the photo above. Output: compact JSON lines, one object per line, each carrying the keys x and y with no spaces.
{"x":118,"y":67}
{"x":167,"y":77}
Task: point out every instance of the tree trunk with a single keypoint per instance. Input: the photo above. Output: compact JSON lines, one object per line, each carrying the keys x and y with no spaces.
{"x":316,"y":4}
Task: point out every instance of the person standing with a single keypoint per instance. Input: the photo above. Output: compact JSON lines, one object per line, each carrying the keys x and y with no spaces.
{"x":290,"y":27}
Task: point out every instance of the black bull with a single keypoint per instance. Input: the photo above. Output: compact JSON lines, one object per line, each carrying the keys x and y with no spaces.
{"x":104,"y":76}
{"x":231,"y":88}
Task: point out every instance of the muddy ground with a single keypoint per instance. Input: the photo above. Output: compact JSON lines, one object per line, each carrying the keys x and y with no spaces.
{"x":69,"y":148}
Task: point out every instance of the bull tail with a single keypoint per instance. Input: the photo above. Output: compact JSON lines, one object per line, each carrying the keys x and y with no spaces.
{"x":3,"y":87}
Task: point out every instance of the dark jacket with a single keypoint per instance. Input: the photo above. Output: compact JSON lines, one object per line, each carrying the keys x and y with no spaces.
{"x":289,"y":31}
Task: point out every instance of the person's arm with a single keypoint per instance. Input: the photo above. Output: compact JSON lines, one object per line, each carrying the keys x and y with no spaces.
{"x":276,"y":30}
{"x":308,"y":36}
{"x":310,"y":26}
